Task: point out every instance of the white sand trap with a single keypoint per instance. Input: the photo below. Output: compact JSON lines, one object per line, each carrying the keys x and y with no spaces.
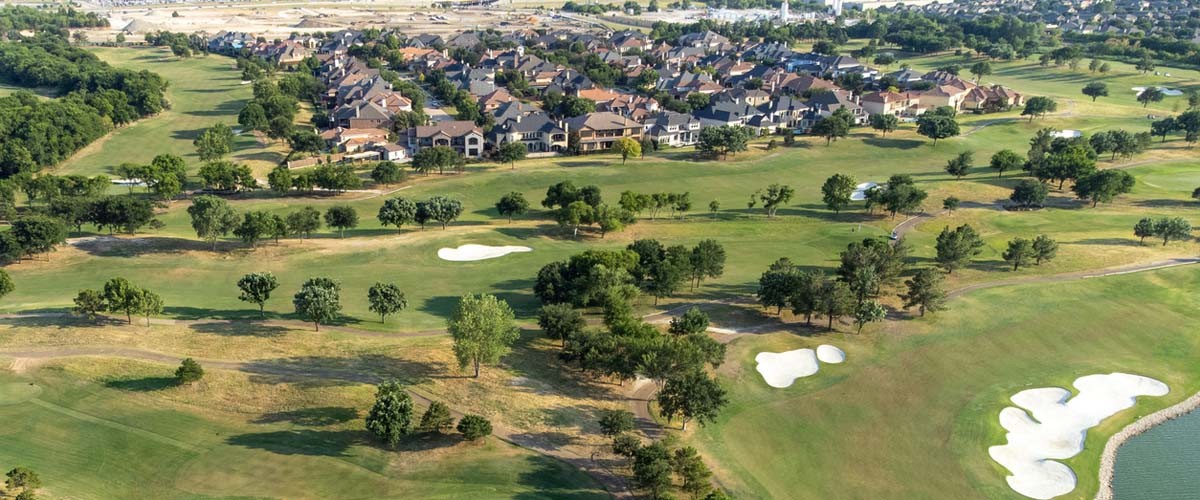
{"x":1067,"y":134}
{"x":830,"y":354}
{"x":1166,"y":91}
{"x":472,"y":252}
{"x":781,"y":369}
{"x":1054,"y":428}
{"x":860,"y":191}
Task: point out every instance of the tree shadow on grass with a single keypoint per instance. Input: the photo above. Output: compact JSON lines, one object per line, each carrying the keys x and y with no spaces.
{"x":322,"y":371}
{"x":240,"y":329}
{"x":311,"y":417}
{"x":301,"y":442}
{"x":547,"y":478}
{"x":144,"y":384}
{"x":1165,"y":203}
{"x":892,"y":143}
{"x":1122,"y":242}
{"x":850,"y":215}
{"x":107,"y":246}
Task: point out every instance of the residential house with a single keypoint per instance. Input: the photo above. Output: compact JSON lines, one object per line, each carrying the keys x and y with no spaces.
{"x":668,"y":128}
{"x":462,"y":136}
{"x":536,"y":131}
{"x":597,"y":131}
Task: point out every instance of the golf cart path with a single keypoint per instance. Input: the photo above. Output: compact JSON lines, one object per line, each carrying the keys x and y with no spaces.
{"x":575,"y":456}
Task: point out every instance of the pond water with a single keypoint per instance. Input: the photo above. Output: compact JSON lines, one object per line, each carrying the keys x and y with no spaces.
{"x":1162,"y":463}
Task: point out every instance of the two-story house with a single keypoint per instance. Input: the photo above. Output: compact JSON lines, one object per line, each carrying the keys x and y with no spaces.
{"x":462,"y":136}
{"x":598,"y":131}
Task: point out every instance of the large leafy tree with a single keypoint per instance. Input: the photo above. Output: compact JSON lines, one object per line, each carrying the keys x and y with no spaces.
{"x":1103,"y":186}
{"x":386,"y":299}
{"x":318,"y":301}
{"x":512,"y":204}
{"x":925,"y":291}
{"x":256,"y":288}
{"x":955,"y":248}
{"x":212,"y":218}
{"x":391,"y":417}
{"x":341,"y":217}
{"x":837,"y":190}
{"x":397,"y":212}
{"x":214,"y":142}
{"x":483,"y":327}
{"x":691,"y":396}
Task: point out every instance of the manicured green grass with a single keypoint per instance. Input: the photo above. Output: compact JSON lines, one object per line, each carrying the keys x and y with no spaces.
{"x":914,"y":409}
{"x":202,"y":92}
{"x":125,"y":435}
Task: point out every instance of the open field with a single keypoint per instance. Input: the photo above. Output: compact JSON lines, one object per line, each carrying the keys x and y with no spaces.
{"x":108,"y":428}
{"x":910,"y":415}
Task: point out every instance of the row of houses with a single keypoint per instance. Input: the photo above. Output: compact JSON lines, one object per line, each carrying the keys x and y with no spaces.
{"x":765,"y":87}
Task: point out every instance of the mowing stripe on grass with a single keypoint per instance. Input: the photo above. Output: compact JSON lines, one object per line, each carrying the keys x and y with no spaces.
{"x":114,"y":425}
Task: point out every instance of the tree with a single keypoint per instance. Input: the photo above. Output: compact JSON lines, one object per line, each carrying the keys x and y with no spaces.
{"x":1095,"y":89}
{"x":723,"y":140}
{"x":391,"y":417}
{"x":444,"y":210}
{"x":981,"y":69}
{"x":616,"y":422}
{"x":560,"y":322}
{"x":304,"y":221}
{"x":122,"y":296}
{"x":253,"y":117}
{"x":691,"y":322}
{"x":386,"y":299}
{"x":899,"y":195}
{"x":868,"y":311}
{"x":22,"y":478}
{"x":436,"y":418}
{"x":1103,"y":186}
{"x":950,"y":203}
{"x":318,"y":301}
{"x":937,"y":126}
{"x":6,"y":283}
{"x":955,"y":248}
{"x":36,"y":234}
{"x":652,"y":469}
{"x":714,"y":207}
{"x":256,"y":288}
{"x":89,"y":303}
{"x":512,"y":204}
{"x":1039,"y":106}
{"x":832,"y":127}
{"x":835,"y":299}
{"x":255,"y":226}
{"x":212,"y":217}
{"x":1172,"y":228}
{"x":1044,"y":249}
{"x":1151,"y":94}
{"x":774,"y":196}
{"x":837,"y":190}
{"x":706,"y":261}
{"x":691,"y":395}
{"x":511,"y":153}
{"x":438,"y":157}
{"x":214,"y":143}
{"x":1029,"y":193}
{"x":1162,"y":127}
{"x":626,"y":147}
{"x":397,"y":212}
{"x":884,"y":123}
{"x":474,"y":427}
{"x":342,"y":217}
{"x":386,"y":172}
{"x":1020,"y":252}
{"x":483,"y":327}
{"x":925,"y":291}
{"x":691,"y":469}
{"x":1005,"y":159}
{"x":189,"y":371}
{"x":1143,"y":229}
{"x":960,"y":165}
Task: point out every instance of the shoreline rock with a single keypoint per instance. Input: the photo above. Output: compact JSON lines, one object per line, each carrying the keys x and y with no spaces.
{"x":1108,"y":461}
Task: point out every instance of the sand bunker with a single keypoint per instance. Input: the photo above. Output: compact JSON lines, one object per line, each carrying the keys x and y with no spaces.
{"x":1055,"y":426}
{"x":830,"y":354}
{"x":860,"y":191}
{"x":1067,"y":134}
{"x":781,"y":369}
{"x":1166,"y":91}
{"x":472,"y":252}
